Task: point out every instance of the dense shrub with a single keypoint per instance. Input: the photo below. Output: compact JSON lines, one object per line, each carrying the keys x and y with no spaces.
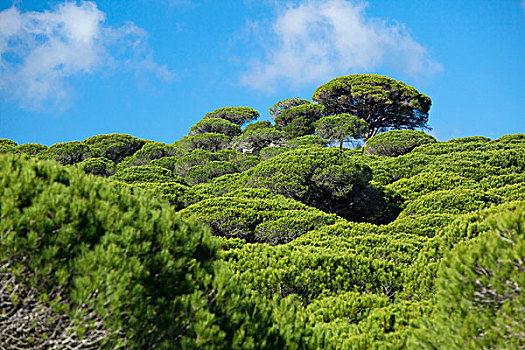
{"x":150,"y":151}
{"x":255,"y":140}
{"x":514,"y":138}
{"x":272,"y":151}
{"x":239,"y":216}
{"x":457,"y":201}
{"x":97,"y":166}
{"x":480,"y":302}
{"x":396,"y":142}
{"x":257,"y":125}
{"x":310,"y":111}
{"x":193,"y":158}
{"x":146,"y":278}
{"x":328,"y":179}
{"x":286,"y":104}
{"x":210,"y":141}
{"x":166,"y":162}
{"x":31,"y":148}
{"x":204,"y":173}
{"x":235,"y":115}
{"x":306,"y":141}
{"x":145,"y":173}
{"x":215,"y":125}
{"x":68,"y":153}
{"x":115,"y":147}
{"x":424,"y":183}
{"x":7,"y":146}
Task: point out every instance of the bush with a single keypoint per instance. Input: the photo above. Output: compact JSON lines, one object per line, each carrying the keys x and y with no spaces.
{"x":145,"y":173}
{"x":235,"y":115}
{"x":193,"y":158}
{"x":286,"y":104}
{"x":215,"y":125}
{"x":143,"y":277}
{"x":255,"y":140}
{"x":7,"y":146}
{"x":166,"y":162}
{"x":457,"y":201}
{"x":311,"y":112}
{"x":115,"y":147}
{"x":256,"y":216}
{"x":425,"y":183}
{"x":257,"y":125}
{"x":68,"y":153}
{"x":210,"y":141}
{"x":328,"y":179}
{"x":307,"y":141}
{"x":396,"y":142}
{"x":272,"y":151}
{"x":97,"y":166}
{"x":204,"y":173}
{"x":150,"y":151}
{"x":31,"y":148}
{"x":480,"y":302}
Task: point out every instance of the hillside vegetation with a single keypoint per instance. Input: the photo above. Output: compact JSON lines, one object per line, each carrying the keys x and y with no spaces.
{"x":261,"y":236}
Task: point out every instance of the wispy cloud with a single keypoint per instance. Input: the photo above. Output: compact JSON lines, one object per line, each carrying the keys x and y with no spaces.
{"x":40,"y":51}
{"x":317,"y":40}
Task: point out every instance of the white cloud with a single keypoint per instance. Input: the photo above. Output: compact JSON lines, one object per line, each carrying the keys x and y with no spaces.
{"x":318,"y":40}
{"x":39,"y":51}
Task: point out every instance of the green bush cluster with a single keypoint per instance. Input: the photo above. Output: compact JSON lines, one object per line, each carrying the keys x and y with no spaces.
{"x":310,"y":246}
{"x":152,"y":280}
{"x":396,"y":142}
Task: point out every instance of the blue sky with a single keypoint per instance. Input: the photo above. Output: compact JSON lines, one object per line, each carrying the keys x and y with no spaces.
{"x":153,"y":68}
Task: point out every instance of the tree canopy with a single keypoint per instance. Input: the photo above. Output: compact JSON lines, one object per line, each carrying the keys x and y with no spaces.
{"x":340,"y":127}
{"x":235,"y":115}
{"x":383,"y":103}
{"x":286,"y":104}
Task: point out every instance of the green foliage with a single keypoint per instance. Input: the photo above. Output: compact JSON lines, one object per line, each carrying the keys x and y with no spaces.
{"x":31,"y":148}
{"x":257,"y":125}
{"x":193,"y":158}
{"x":286,"y":104}
{"x":514,"y":138}
{"x":204,"y":173}
{"x":457,"y":201}
{"x":210,"y":141}
{"x":380,"y":101}
{"x":68,"y":153}
{"x":150,"y":151}
{"x":327,"y":179}
{"x":396,"y":142}
{"x":97,"y":166}
{"x":7,"y":146}
{"x":425,"y":183}
{"x":152,"y":279}
{"x":115,"y":147}
{"x":215,"y":125}
{"x":340,"y":127}
{"x":267,"y":219}
{"x":255,"y":140}
{"x":299,"y":121}
{"x":480,"y":300}
{"x":145,"y":173}
{"x":235,"y":115}
{"x":165,"y":162}
{"x":269,"y":152}
{"x":475,"y":165}
{"x":175,"y":193}
{"x":306,"y":141}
